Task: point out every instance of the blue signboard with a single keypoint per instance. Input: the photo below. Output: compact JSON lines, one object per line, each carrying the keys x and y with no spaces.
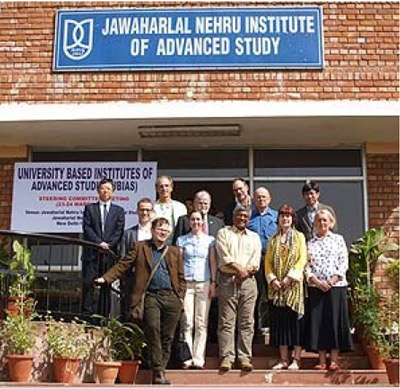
{"x":195,"y":38}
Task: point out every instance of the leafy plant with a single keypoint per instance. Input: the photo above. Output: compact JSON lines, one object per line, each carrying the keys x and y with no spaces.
{"x":392,"y":271}
{"x":367,"y":315}
{"x":19,"y":260}
{"x":119,"y":341}
{"x":364,"y":254}
{"x":390,"y":313}
{"x":19,"y":331}
{"x":67,"y":339}
{"x":372,"y":314}
{"x":390,"y":321}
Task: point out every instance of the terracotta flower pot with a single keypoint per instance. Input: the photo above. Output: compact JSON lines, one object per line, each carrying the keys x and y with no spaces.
{"x":375,"y":359}
{"x":107,"y":372}
{"x":13,"y":306}
{"x":392,"y":370}
{"x":128,"y":371}
{"x":65,"y":369}
{"x":20,"y":367}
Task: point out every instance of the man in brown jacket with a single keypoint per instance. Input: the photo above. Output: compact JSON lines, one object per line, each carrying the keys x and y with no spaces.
{"x":164,"y":295}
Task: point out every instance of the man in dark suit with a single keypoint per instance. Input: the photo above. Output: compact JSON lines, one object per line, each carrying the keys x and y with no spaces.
{"x":137,"y":233}
{"x":201,"y":203}
{"x":305,"y":216}
{"x":103,"y":224}
{"x":164,"y":296}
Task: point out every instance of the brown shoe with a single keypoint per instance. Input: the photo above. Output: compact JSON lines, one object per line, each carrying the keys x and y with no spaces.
{"x":225,"y":365}
{"x":159,"y":378}
{"x":246,"y":365}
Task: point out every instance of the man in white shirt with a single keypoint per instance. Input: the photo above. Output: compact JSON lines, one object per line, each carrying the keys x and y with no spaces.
{"x":103,"y":224}
{"x":137,"y":233}
{"x":305,"y":216}
{"x":166,"y":207}
{"x":239,"y":252}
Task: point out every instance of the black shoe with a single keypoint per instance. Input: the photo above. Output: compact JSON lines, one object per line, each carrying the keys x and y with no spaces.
{"x":159,"y":378}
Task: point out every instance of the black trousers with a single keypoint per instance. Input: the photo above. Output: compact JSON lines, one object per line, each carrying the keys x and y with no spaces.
{"x":94,"y":300}
{"x":261,"y":310}
{"x":161,"y":315}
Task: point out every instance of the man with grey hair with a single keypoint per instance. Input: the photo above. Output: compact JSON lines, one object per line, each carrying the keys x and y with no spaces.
{"x":239,"y":252}
{"x":201,"y":203}
{"x":166,"y":207}
{"x":264,"y":222}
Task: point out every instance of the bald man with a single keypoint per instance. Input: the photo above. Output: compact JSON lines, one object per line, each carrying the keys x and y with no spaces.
{"x":264,"y":221}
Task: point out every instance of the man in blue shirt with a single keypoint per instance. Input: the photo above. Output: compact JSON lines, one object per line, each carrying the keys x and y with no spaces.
{"x":264,"y":221}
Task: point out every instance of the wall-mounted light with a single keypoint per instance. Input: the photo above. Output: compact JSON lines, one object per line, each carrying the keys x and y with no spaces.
{"x":185,"y":130}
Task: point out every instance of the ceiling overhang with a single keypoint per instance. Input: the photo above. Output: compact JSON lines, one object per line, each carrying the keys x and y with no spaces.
{"x":120,"y":125}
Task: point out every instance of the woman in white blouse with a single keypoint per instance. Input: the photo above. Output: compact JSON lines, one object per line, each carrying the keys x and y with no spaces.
{"x":327,"y":319}
{"x":200,"y":268}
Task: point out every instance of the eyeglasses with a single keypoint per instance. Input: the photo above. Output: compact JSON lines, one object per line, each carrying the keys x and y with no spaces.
{"x":145,"y":210}
{"x":162,"y":230}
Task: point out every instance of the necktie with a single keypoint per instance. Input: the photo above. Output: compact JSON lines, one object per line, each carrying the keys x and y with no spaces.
{"x":105,"y":214}
{"x":205,"y":226}
{"x":311,"y":215}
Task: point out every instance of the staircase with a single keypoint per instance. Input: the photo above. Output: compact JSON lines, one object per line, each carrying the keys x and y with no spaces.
{"x":355,"y":371}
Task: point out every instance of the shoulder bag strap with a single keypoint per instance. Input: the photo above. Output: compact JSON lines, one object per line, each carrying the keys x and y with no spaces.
{"x":155,"y":268}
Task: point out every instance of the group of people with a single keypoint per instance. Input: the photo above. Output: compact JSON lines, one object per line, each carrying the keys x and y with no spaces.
{"x":182,"y":261}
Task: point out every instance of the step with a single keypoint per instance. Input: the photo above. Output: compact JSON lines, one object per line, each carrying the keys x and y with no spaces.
{"x":308,"y":361}
{"x":236,"y":378}
{"x":270,"y":378}
{"x":260,"y":349}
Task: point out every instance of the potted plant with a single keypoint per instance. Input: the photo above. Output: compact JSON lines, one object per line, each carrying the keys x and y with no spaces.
{"x":364,"y":255}
{"x":19,"y":333}
{"x":367,"y":318}
{"x":363,"y":258}
{"x":117,"y":341}
{"x":67,"y":343}
{"x":129,"y":351}
{"x":390,"y":319}
{"x":365,"y":301}
{"x":18,"y":261}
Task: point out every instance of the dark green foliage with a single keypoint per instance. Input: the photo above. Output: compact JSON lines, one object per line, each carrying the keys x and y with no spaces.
{"x":122,"y":341}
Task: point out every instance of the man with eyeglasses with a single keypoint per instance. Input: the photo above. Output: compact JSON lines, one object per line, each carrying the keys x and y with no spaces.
{"x":240,"y":190}
{"x":305,"y":216}
{"x":103,"y":224}
{"x":137,"y":233}
{"x":202,"y":204}
{"x":164,"y":295}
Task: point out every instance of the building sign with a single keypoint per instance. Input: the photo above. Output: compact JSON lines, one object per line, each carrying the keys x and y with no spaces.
{"x":50,"y":197}
{"x":196,"y":38}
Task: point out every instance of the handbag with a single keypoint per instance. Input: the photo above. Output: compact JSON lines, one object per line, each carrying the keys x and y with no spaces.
{"x":137,"y":311}
{"x":180,"y":348}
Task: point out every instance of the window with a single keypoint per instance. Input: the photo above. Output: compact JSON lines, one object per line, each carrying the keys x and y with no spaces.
{"x":200,"y":163}
{"x":307,"y":162}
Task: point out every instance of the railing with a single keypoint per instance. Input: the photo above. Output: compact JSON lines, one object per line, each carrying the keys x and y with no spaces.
{"x":58,"y":274}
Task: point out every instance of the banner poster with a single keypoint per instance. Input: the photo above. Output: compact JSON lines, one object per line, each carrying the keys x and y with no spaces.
{"x":50,"y":197}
